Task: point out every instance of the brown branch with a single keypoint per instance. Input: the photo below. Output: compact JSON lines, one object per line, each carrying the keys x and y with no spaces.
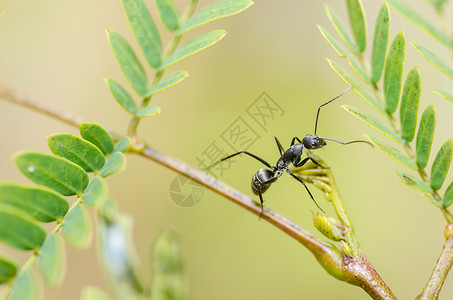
{"x":353,"y":269}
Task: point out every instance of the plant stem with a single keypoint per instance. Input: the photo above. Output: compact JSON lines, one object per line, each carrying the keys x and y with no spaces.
{"x":440,"y":272}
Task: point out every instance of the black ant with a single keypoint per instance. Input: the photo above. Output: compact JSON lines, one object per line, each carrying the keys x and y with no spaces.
{"x":263,"y":178}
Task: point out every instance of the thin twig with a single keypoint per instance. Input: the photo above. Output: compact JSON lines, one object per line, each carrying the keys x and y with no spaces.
{"x":440,"y":272}
{"x":355,"y":270}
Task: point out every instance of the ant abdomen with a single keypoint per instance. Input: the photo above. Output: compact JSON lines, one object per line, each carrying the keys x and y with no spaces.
{"x":258,"y":179}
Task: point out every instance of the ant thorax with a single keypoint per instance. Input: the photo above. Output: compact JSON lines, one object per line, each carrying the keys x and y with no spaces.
{"x":312,"y":141}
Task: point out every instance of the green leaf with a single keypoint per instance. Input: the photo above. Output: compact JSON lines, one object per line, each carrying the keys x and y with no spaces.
{"x":358,"y":22}
{"x":26,"y":286}
{"x":373,"y":123}
{"x":194,"y":46}
{"x":410,"y":100}
{"x":121,"y":95}
{"x":360,"y":90}
{"x":340,"y":29}
{"x":93,"y":293}
{"x":38,"y":202}
{"x":167,"y":82}
{"x":77,"y":150}
{"x":432,"y":200}
{"x":394,"y":153}
{"x":95,"y":192}
{"x":394,"y":72}
{"x":438,"y":3}
{"x":168,"y":281}
{"x":214,"y":11}
{"x":441,"y":164}
{"x":8,"y":270}
{"x":114,"y":164}
{"x":434,"y":59}
{"x":123,"y":145}
{"x":144,"y":30}
{"x":148,"y":111}
{"x":448,"y":196}
{"x":97,"y":135}
{"x":425,"y":136}
{"x":168,"y":13}
{"x":54,"y":172}
{"x":52,"y":260}
{"x":77,"y":229}
{"x":18,"y":230}
{"x":445,"y":95}
{"x":416,"y":18}
{"x":380,"y":43}
{"x":414,"y":182}
{"x":355,"y":66}
{"x":128,"y":62}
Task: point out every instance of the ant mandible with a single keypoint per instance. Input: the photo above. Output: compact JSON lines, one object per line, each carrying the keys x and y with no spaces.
{"x":263,"y":178}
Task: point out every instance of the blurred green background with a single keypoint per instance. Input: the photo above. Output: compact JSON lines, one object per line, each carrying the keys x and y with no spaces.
{"x":57,"y":52}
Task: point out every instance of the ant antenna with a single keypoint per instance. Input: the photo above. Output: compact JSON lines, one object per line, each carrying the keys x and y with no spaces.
{"x":347,"y":143}
{"x":317,"y":115}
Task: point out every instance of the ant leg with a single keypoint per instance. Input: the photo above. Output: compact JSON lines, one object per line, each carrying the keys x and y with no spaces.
{"x":245,"y":152}
{"x":280,"y":148}
{"x":301,"y":181}
{"x":304,"y":161}
{"x":261,"y":203}
{"x":294,"y":139}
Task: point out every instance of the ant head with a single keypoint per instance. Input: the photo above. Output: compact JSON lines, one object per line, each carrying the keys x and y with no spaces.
{"x":312,"y":141}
